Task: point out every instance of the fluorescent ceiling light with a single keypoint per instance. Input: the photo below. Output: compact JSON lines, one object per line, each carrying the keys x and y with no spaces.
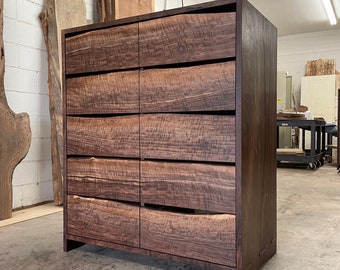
{"x":330,"y":11}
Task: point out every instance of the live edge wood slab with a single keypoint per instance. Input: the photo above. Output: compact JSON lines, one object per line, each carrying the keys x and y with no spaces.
{"x":170,"y":135}
{"x":15,"y":137}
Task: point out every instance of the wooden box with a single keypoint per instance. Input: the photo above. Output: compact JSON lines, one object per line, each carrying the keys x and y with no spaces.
{"x":170,"y":135}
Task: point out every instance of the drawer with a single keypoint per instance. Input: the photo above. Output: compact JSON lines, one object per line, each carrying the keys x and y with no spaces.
{"x":115,"y":179}
{"x":111,"y":136}
{"x":185,"y":89}
{"x":189,"y":185}
{"x":188,"y":137}
{"x":102,"y":50}
{"x":187,"y":38}
{"x":103,"y":220}
{"x":210,"y":238}
{"x":116,"y":92}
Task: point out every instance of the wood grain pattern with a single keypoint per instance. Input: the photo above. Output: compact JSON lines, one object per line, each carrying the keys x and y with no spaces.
{"x":106,"y":49}
{"x":189,"y":185}
{"x":74,"y":241}
{"x":188,"y":137}
{"x":103,"y":220}
{"x":205,"y":237}
{"x":187,"y":38}
{"x":15,"y":137}
{"x":115,"y":179}
{"x":129,"y":8}
{"x":111,"y":136}
{"x":256,"y":99}
{"x":109,"y":10}
{"x":198,"y":88}
{"x":116,"y":92}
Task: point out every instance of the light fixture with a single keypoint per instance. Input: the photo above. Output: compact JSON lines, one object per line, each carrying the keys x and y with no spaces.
{"x":330,"y":11}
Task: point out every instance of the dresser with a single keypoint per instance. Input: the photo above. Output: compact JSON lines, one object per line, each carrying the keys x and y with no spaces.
{"x":170,"y":135}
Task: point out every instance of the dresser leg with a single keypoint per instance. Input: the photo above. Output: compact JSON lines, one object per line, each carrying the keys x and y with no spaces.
{"x":70,"y":244}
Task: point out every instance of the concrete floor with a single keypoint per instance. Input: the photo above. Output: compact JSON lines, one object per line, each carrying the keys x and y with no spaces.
{"x":308,"y":233}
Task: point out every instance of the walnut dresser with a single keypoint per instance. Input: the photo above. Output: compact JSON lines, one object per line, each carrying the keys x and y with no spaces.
{"x":170,"y":135}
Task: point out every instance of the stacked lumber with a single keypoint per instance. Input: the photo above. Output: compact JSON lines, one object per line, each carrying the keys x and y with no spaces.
{"x":320,"y":67}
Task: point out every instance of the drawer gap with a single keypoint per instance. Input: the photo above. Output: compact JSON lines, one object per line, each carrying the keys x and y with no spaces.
{"x":192,"y":161}
{"x":190,"y":64}
{"x":179,"y":210}
{"x":227,"y":8}
{"x":101,"y":72}
{"x":101,"y":115}
{"x":228,"y":113}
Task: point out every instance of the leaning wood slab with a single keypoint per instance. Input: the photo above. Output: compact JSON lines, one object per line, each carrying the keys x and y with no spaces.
{"x":15,"y":138}
{"x":56,"y":16}
{"x":109,"y":10}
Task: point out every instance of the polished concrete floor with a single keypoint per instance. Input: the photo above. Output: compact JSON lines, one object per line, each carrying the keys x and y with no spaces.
{"x":308,"y":233}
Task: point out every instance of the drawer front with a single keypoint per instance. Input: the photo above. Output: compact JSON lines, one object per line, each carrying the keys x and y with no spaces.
{"x":210,"y":238}
{"x":188,"y":137}
{"x":101,"y":50}
{"x":114,"y":179}
{"x":111,"y":136}
{"x":103,"y":220}
{"x":189,"y":185}
{"x":115,"y":92}
{"x":187,"y":38}
{"x":185,"y":89}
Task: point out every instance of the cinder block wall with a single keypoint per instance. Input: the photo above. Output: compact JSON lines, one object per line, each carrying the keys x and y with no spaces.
{"x":27,"y":91}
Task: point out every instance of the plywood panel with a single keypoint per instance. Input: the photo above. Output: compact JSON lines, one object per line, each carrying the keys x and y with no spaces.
{"x":319,"y":93}
{"x":128,"y":8}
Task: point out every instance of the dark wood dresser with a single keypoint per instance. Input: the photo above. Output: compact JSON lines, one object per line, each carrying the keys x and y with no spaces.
{"x":170,"y":135}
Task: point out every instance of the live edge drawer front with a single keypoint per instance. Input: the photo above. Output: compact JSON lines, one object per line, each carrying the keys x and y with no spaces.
{"x":103,"y":220}
{"x":190,"y":137}
{"x":115,"y":179}
{"x":197,"y":186}
{"x":187,"y":38}
{"x":109,"y":93}
{"x":185,"y":89}
{"x":210,"y":238}
{"x":116,"y":136}
{"x":102,"y":50}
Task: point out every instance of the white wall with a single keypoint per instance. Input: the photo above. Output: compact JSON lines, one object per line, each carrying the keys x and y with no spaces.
{"x":26,"y":75}
{"x":295,"y":50}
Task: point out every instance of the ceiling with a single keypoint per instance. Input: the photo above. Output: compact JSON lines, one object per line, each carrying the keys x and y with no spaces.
{"x":297,"y":16}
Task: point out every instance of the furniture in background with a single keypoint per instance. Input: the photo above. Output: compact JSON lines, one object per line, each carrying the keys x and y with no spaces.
{"x":319,"y":94}
{"x":312,"y":156}
{"x":169,"y":127}
{"x":284,"y":102}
